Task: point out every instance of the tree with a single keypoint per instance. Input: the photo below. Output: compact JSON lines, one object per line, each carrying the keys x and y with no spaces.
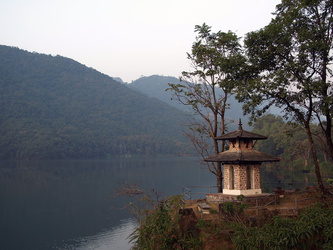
{"x":289,"y":67}
{"x":215,"y":58}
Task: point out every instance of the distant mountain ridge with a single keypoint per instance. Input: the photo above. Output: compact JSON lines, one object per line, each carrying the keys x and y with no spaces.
{"x":55,"y":107}
{"x":155,"y":86}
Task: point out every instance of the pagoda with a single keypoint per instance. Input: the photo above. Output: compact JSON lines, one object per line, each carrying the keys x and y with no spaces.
{"x":241,"y":162}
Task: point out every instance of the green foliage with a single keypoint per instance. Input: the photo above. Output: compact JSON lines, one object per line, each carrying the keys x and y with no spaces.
{"x":289,"y":142}
{"x":330,"y":181}
{"x":312,"y":230}
{"x":160,"y":228}
{"x":201,"y":223}
{"x":54,"y":107}
{"x":289,"y":68}
{"x":240,"y":197}
{"x":213,"y":211}
{"x":268,"y":125}
{"x":234,"y":208}
{"x":284,"y":139}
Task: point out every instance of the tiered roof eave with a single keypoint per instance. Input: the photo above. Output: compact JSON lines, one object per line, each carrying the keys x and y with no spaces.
{"x":242,"y":156}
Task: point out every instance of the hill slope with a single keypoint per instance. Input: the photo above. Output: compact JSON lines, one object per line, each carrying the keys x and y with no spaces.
{"x":155,"y":86}
{"x":54,"y":107}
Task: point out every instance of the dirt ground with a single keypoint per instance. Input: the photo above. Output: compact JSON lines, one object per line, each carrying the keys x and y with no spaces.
{"x":288,"y":204}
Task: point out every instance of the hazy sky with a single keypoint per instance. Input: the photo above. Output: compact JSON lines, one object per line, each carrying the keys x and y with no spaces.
{"x":125,"y":38}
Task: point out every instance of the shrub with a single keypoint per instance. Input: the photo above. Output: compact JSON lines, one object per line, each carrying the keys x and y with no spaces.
{"x":313,"y":229}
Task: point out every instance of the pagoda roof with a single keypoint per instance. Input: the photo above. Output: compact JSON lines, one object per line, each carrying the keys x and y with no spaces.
{"x":241,"y":134}
{"x":242,"y":156}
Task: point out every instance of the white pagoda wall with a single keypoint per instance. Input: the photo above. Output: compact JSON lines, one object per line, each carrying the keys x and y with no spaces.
{"x":236,"y":183}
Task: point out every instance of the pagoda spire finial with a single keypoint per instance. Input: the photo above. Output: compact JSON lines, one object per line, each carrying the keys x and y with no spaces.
{"x":240,"y":124}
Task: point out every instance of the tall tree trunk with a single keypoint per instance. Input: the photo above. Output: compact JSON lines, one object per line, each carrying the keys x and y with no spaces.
{"x":327,"y":110}
{"x":315,"y":159}
{"x":328,"y":135}
{"x":219,"y":177}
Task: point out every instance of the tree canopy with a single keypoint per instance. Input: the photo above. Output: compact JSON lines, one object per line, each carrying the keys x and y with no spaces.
{"x":215,"y":60}
{"x":54,"y":107}
{"x":288,"y":67}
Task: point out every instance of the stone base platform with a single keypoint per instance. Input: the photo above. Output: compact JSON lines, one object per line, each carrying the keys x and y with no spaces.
{"x":252,"y":200}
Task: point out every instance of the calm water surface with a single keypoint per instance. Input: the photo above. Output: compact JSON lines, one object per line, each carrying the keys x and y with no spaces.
{"x":67,"y":204}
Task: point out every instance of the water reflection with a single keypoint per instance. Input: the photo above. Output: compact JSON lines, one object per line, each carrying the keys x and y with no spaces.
{"x":66,"y":204}
{"x":52,"y":204}
{"x":115,"y":238}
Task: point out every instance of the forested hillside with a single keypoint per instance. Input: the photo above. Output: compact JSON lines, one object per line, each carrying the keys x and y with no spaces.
{"x":55,"y":107}
{"x":155,"y":86}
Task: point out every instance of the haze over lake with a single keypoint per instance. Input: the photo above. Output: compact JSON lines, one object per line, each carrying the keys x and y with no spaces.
{"x":67,"y":204}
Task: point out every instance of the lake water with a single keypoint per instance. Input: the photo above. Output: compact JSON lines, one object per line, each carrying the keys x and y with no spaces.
{"x":68,"y":204}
